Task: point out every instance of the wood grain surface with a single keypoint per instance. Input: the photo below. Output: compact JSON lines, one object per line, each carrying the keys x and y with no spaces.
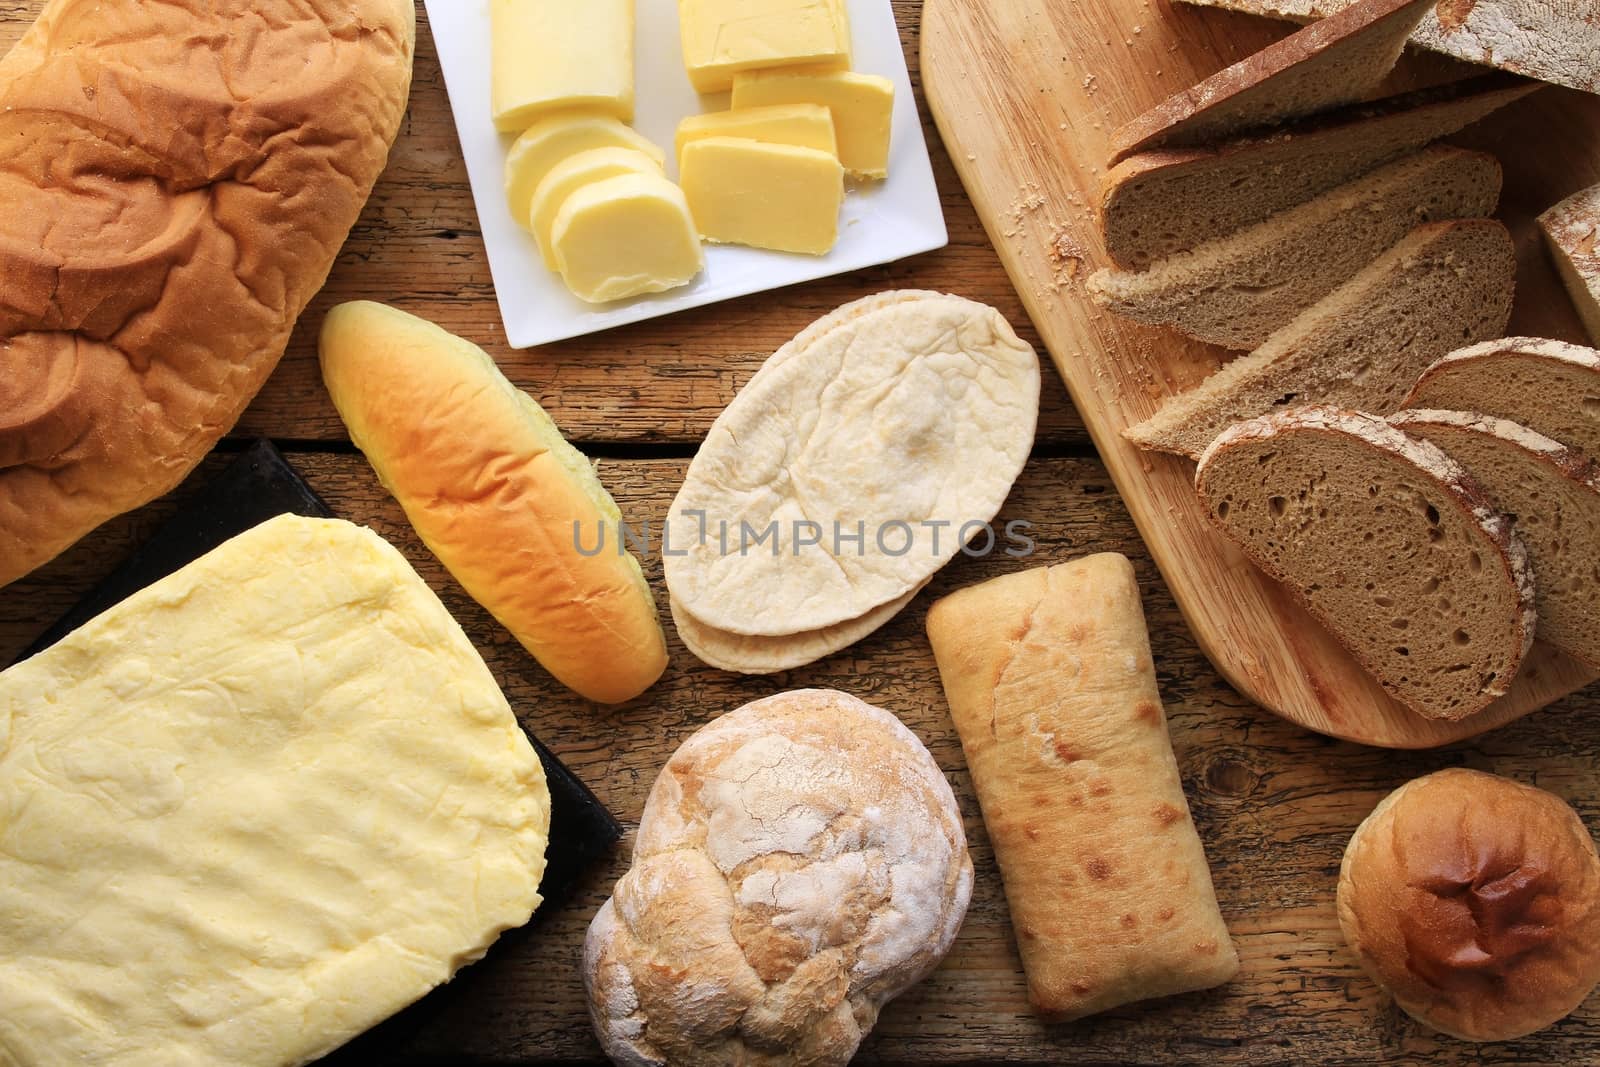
{"x":1275,"y":804}
{"x":1027,"y":94}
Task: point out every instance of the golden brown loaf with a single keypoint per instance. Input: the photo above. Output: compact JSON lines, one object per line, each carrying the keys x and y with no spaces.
{"x":510,"y":508}
{"x":1475,"y":901}
{"x":176,"y":181}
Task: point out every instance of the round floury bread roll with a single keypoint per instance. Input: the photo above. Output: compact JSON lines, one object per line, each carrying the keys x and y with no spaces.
{"x":799,"y":863}
{"x":1475,"y":901}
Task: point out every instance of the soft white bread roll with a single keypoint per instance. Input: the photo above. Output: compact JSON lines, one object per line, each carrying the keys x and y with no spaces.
{"x":498,"y":495}
{"x":1053,"y":691}
{"x":1475,"y":901}
{"x":177,"y":179}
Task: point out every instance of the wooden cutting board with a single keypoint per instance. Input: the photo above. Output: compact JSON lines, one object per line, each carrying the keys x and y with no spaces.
{"x":1026,"y":94}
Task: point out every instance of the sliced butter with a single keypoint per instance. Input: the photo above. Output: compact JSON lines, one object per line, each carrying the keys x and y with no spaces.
{"x":723,"y":37}
{"x":549,"y":55}
{"x":806,"y":125}
{"x":255,"y":808}
{"x":572,"y":174}
{"x":862,"y":107}
{"x":777,"y":196}
{"x":622,"y":236}
{"x":554,"y":138}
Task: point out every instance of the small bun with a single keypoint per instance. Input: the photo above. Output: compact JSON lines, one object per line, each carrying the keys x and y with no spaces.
{"x":1475,"y":901}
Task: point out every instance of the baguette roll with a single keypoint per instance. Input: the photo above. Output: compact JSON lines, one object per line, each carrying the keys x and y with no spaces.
{"x":497,"y":494}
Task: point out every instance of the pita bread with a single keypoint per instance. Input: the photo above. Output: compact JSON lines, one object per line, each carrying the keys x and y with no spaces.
{"x":753,"y":654}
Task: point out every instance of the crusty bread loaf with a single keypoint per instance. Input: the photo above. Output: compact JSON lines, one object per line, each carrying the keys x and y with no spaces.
{"x":510,"y":508}
{"x":1388,"y":542}
{"x":1475,"y":901}
{"x":1237,"y":291}
{"x":1053,"y":691}
{"x":1364,"y":344}
{"x":1548,"y":386}
{"x":1572,"y":233}
{"x":176,"y":181}
{"x":1155,"y":204}
{"x":1552,"y":493}
{"x":1333,"y":61}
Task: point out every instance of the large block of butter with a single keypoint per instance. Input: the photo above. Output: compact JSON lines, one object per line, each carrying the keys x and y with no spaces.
{"x":254,"y":809}
{"x":624,"y":236}
{"x":777,"y":196}
{"x":551,"y":55}
{"x":555,"y":138}
{"x":806,"y":125}
{"x":723,"y":37}
{"x":862,"y":106}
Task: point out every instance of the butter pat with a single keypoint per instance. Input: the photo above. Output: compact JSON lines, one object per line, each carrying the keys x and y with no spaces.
{"x":572,"y":174}
{"x":723,"y":37}
{"x":777,"y":196}
{"x":623,"y":236}
{"x":554,"y":138}
{"x":806,"y":125}
{"x":547,"y":55}
{"x":862,"y":107}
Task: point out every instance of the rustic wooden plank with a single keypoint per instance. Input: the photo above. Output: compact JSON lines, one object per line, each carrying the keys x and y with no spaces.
{"x":1274,"y":804}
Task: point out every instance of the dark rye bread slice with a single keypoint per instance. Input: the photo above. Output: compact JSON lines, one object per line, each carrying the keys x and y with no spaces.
{"x":1572,"y":233}
{"x":1334,"y":61}
{"x":1552,"y":494}
{"x":1363,"y":345}
{"x":1157,"y":203}
{"x":1549,"y":386}
{"x":1237,"y":291}
{"x":1385,"y":540}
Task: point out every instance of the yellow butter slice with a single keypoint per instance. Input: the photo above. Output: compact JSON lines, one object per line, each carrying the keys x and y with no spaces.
{"x":723,"y":37}
{"x":862,"y":107}
{"x":623,"y":236}
{"x":806,"y":125}
{"x":777,"y":196}
{"x":554,"y":138}
{"x":572,"y":174}
{"x":549,"y":55}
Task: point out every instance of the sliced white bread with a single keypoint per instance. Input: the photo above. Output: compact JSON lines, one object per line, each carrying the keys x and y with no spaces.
{"x":1552,"y":40}
{"x":1388,"y":542}
{"x":1363,"y":345}
{"x":1572,"y":232}
{"x":1552,"y":494}
{"x":1158,"y":203}
{"x":1334,"y":61}
{"x":1548,"y":386}
{"x":1237,"y":291}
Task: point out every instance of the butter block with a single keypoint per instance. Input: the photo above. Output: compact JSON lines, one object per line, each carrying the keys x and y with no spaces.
{"x":806,"y":125}
{"x":554,"y":138}
{"x":549,"y":55}
{"x":623,"y":236}
{"x":255,"y":808}
{"x":777,"y":196}
{"x":723,"y":37}
{"x":862,"y":107}
{"x":572,"y":174}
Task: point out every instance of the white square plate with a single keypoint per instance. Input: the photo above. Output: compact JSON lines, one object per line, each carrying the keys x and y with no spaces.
{"x":880,"y":222}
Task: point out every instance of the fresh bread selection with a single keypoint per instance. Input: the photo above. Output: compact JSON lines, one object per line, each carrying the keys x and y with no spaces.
{"x":1237,"y":291}
{"x":498,"y":495}
{"x":1388,"y":542}
{"x":1363,"y":345}
{"x":1572,"y":233}
{"x":165,"y":224}
{"x":1552,"y":493}
{"x":1475,"y":901}
{"x":1337,"y":60}
{"x":799,"y":862}
{"x":1053,"y":690}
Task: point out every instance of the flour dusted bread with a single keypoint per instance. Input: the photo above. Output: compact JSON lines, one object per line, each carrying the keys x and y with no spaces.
{"x":799,"y":863}
{"x":1572,"y":233}
{"x":1388,"y":542}
{"x":1053,"y":691}
{"x":177,"y":179}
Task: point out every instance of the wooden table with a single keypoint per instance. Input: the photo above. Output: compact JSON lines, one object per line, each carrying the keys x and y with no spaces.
{"x":1274,"y":804}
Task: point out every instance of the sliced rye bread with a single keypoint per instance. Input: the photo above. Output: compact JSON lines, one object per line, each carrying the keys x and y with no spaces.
{"x":1385,"y":540}
{"x":1551,"y":387}
{"x":1363,"y":345}
{"x":1237,"y":291}
{"x":1572,"y":232}
{"x":1334,"y":61}
{"x":1158,"y":203}
{"x":1552,"y":494}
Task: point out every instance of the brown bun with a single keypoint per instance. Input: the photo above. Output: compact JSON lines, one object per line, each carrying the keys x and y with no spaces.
{"x":1475,"y":901}
{"x":498,"y":495}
